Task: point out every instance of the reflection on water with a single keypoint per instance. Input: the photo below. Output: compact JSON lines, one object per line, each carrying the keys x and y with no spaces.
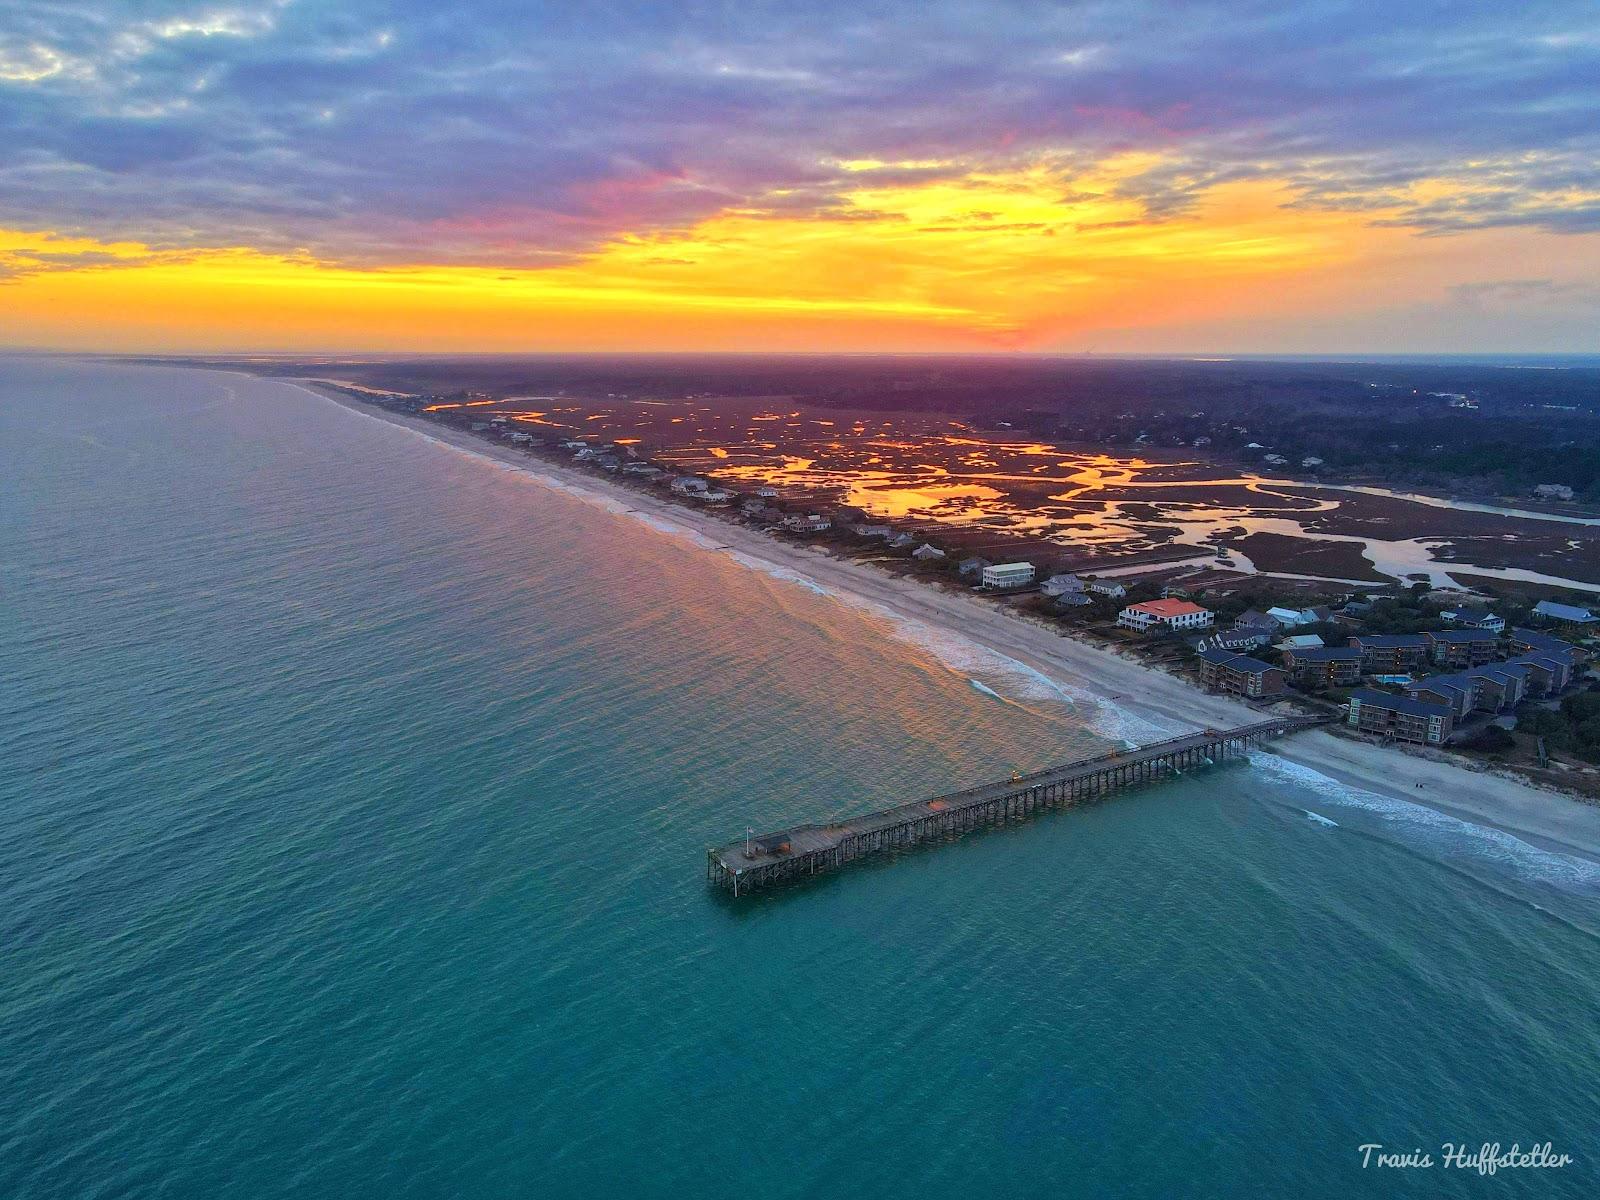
{"x":997,"y":494}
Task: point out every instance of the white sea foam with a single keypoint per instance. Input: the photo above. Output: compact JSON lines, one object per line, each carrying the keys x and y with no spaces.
{"x":1449,"y":837}
{"x":1320,"y":819}
{"x":960,"y":654}
{"x":985,"y":689}
{"x":779,"y":572}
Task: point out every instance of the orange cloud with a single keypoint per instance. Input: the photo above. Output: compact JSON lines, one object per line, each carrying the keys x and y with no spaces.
{"x":1021,"y":258}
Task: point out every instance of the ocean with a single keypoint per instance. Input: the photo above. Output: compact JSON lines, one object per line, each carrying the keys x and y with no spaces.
{"x":353,"y":814}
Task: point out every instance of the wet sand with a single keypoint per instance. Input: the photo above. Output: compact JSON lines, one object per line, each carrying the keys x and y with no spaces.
{"x":1161,"y":702}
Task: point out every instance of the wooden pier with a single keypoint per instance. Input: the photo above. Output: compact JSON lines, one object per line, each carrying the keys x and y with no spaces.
{"x":758,"y":861}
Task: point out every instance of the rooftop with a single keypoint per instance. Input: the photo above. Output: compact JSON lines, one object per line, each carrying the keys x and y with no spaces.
{"x":1563,"y":612}
{"x":1167,"y":608}
{"x":1549,"y":643}
{"x":1401,"y":704}
{"x":1324,"y":653}
{"x":1239,"y":662}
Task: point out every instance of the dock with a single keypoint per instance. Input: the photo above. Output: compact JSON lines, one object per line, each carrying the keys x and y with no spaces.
{"x":759,"y":861}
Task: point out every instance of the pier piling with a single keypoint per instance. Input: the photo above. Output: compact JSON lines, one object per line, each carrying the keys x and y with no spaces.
{"x":755,"y":862}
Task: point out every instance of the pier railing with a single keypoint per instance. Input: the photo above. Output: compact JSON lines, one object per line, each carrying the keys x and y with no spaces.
{"x":805,"y":850}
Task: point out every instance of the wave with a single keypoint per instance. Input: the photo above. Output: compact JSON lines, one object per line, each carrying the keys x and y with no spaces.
{"x":985,"y":689}
{"x":1449,"y":837}
{"x":955,"y":651}
{"x":1320,"y":819}
{"x":781,"y":573}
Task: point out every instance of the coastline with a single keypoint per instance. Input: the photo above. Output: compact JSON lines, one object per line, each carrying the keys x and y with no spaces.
{"x":1089,"y":674}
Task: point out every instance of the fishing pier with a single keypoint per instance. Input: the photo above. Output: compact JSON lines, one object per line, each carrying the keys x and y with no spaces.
{"x":761,"y":860}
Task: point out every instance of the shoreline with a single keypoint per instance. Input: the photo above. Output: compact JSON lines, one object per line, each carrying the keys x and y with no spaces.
{"x":1090,"y":674}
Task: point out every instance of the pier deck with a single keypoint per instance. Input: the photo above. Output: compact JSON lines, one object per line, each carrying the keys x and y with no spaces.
{"x":806,"y":850}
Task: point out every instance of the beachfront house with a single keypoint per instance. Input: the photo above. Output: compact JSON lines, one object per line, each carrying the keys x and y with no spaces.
{"x":1164,"y":614}
{"x":862,"y":529}
{"x":927,"y":552}
{"x":901,"y":541}
{"x":1239,"y":674}
{"x":1073,"y":600}
{"x":1459,"y":649}
{"x":808,"y":523}
{"x":1008,"y":575}
{"x":1323,"y":666}
{"x":690,"y":485}
{"x":1106,"y":587}
{"x":1564,"y":614}
{"x":767,"y":493}
{"x":1391,"y":653}
{"x":1060,"y":585}
{"x":1400,"y":717}
{"x":972,"y":566}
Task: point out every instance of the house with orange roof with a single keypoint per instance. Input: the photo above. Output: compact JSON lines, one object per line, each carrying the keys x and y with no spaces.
{"x":1165,"y":614}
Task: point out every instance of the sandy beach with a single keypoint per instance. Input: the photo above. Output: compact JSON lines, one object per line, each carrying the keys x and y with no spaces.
{"x":1166,"y":703}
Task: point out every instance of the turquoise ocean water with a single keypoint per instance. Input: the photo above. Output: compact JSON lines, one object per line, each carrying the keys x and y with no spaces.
{"x":354,"y":794}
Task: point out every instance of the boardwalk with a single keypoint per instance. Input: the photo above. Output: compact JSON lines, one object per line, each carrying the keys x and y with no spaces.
{"x":806,"y":850}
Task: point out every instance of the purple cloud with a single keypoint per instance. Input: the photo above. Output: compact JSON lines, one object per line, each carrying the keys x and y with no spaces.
{"x":491,"y":131}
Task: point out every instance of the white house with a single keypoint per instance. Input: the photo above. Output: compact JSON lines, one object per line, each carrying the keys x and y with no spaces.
{"x":1107,"y":587}
{"x":1059,"y":585}
{"x":1291,"y":617}
{"x":1301,"y":641}
{"x":927,"y":552}
{"x":1164,"y":614}
{"x":690,"y":485}
{"x":810,"y":523}
{"x":1475,"y":618}
{"x":1008,"y":575}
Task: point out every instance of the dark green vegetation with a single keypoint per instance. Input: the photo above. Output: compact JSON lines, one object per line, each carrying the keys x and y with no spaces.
{"x":1573,"y":726}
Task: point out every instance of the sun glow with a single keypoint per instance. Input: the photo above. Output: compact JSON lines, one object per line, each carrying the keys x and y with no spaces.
{"x":1029,"y":258}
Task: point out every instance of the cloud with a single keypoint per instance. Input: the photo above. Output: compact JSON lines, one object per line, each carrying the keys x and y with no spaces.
{"x":1522,"y":293}
{"x":21,"y":262}
{"x":495,"y":132}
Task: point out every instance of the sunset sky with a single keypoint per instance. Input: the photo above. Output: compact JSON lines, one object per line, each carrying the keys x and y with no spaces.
{"x":494,"y":175}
